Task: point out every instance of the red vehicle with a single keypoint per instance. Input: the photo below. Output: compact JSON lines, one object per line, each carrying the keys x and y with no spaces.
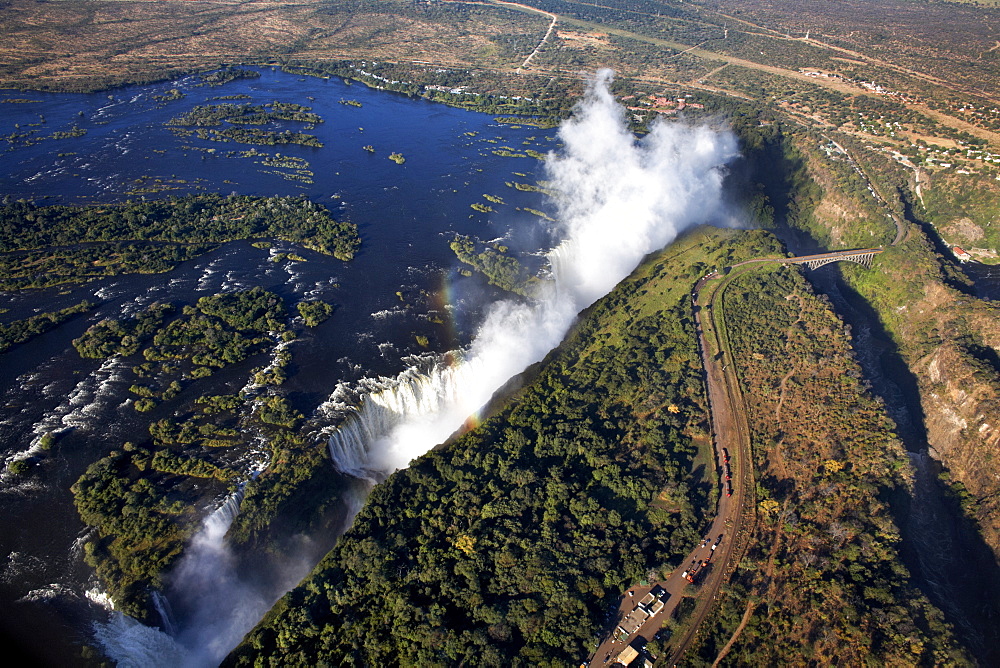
{"x":729,"y":488}
{"x":697,"y":571}
{"x":725,"y":455}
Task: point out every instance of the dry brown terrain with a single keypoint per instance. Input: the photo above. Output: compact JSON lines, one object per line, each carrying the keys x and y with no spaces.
{"x":99,"y":43}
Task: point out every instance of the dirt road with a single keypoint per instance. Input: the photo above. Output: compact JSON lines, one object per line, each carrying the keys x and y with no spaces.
{"x":727,"y":534}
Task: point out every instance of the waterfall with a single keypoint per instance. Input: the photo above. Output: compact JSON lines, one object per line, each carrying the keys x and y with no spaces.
{"x":205,"y":584}
{"x":208,"y":606}
{"x":358,"y":447}
{"x":162,"y":606}
{"x":222,"y":518}
{"x":131,"y":644}
{"x":217,"y":606}
{"x":619,"y":199}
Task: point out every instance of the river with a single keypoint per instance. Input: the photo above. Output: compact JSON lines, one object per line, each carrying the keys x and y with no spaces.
{"x":403,"y":287}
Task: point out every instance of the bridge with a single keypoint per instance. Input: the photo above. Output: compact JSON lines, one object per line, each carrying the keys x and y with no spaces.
{"x":862,"y":257}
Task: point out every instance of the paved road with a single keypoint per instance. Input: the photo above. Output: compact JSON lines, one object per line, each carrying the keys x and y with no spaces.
{"x":731,"y":435}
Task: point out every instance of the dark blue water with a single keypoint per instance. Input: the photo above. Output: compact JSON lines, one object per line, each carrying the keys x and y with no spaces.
{"x":403,"y":284}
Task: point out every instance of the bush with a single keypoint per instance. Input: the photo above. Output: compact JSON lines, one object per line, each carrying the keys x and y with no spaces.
{"x":144,"y":405}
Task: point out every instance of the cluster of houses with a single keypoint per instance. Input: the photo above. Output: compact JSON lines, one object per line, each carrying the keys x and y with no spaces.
{"x":647,"y":607}
{"x":660,"y":103}
{"x":867,"y":85}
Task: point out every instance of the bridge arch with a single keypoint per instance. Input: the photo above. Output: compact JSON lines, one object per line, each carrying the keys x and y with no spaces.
{"x":862,"y":257}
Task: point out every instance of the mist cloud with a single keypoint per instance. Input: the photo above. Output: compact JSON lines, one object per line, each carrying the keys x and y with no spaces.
{"x":619,"y":199}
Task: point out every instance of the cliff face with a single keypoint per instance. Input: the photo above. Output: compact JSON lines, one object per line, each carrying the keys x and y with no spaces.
{"x":964,"y":212}
{"x":951,"y":343}
{"x":949,"y":339}
{"x":959,"y":382}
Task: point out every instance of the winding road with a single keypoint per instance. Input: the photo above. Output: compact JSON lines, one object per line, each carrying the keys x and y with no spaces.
{"x":729,"y":531}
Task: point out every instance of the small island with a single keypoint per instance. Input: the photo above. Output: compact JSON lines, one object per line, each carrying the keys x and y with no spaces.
{"x":43,"y":246}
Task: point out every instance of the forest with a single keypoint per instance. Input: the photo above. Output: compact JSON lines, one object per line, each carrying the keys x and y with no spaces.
{"x":898,"y":121}
{"x":429,"y":558}
{"x":41,"y":246}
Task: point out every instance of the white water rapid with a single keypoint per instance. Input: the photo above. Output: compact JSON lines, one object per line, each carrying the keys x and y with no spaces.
{"x":619,"y":199}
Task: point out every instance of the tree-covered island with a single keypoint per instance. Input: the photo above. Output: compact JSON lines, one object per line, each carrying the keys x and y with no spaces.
{"x":142,"y":498}
{"x":41,"y":246}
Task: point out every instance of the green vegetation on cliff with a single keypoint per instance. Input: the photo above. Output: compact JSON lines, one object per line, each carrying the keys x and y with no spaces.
{"x":965,"y":214}
{"x":943,"y":340}
{"x":141,"y":525}
{"x":949,"y":341}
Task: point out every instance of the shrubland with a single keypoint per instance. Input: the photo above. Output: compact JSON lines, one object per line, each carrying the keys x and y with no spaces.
{"x":823,"y":579}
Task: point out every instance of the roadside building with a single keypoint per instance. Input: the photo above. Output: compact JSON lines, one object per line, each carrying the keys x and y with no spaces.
{"x":627,"y":656}
{"x":651,"y":604}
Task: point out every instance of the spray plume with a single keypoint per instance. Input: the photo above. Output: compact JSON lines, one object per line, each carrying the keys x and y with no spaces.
{"x":216,"y":605}
{"x":205,"y":583}
{"x":618,"y":200}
